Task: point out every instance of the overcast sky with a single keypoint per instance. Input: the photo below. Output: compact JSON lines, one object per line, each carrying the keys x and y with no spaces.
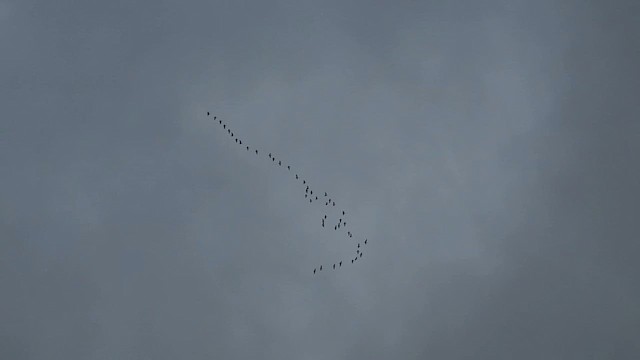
{"x":487,"y":149}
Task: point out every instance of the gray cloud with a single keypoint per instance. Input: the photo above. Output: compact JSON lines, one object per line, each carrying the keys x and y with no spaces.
{"x":486,"y":150}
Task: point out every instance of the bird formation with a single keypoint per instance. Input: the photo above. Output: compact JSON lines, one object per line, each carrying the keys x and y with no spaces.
{"x":308,"y":194}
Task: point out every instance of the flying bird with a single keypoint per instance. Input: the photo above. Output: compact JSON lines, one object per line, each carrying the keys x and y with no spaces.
{"x":207,"y":113}
{"x":279,"y":162}
{"x":325,"y":193}
{"x":360,"y":254}
{"x":342,"y":212}
{"x":320,"y":267}
{"x":256,"y":152}
{"x":334,"y":203}
{"x":340,"y":263}
{"x":224,"y":126}
{"x":365,"y":241}
{"x":314,"y":271}
{"x":334,"y":266}
{"x":358,"y":245}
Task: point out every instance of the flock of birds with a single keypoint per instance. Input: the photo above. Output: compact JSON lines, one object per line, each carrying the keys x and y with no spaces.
{"x":328,"y":201}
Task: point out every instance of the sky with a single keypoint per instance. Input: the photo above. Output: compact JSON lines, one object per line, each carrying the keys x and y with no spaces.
{"x":487,"y":149}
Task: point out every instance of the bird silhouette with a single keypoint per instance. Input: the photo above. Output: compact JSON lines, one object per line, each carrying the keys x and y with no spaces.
{"x":224,"y":126}
{"x":279,"y":162}
{"x":247,"y":148}
{"x":314,"y":271}
{"x":360,"y":254}
{"x":207,"y":113}
{"x":236,"y":140}
{"x":342,"y":212}
{"x":365,"y":241}
{"x":340,"y":263}
{"x":334,"y":266}
{"x":288,"y":167}
{"x":358,"y":245}
{"x":240,"y":142}
{"x":325,"y":193}
{"x":325,"y":216}
{"x":320,"y":267}
{"x":296,"y":176}
{"x":352,"y":261}
{"x":256,"y":152}
{"x":304,"y":181}
{"x":269,"y":155}
{"x":335,"y":228}
{"x":334,"y":203}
